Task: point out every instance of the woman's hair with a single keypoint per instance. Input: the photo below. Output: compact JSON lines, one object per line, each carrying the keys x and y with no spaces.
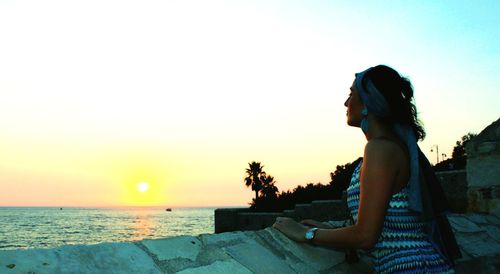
{"x":398,"y":92}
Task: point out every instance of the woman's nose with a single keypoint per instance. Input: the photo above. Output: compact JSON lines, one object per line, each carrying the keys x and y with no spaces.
{"x":346,"y":101}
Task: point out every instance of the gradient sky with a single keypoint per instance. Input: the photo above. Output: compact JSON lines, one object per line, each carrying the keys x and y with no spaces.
{"x":97,"y":96}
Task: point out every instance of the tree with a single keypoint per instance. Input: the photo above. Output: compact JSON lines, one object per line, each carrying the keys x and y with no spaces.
{"x":254,"y":177}
{"x":269,"y":190}
{"x":459,"y":149}
{"x":458,"y":158}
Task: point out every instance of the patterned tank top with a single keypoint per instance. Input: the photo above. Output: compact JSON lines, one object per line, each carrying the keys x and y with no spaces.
{"x":403,"y":246}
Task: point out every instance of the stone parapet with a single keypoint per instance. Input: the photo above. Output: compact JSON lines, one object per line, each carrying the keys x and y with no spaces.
{"x":226,"y":219}
{"x":483,"y":170}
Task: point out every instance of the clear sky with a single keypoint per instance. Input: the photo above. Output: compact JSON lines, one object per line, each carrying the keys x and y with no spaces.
{"x":98,"y":96}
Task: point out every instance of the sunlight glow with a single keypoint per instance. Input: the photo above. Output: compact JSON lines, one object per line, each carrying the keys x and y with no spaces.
{"x":143,"y":187}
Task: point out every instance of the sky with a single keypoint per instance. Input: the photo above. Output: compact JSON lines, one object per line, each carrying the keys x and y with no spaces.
{"x":99,"y":96}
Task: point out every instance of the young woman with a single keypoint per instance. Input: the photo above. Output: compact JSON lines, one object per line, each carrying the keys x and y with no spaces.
{"x":386,"y":194}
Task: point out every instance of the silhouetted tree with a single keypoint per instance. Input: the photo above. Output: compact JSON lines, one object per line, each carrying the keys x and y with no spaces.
{"x":254,"y":177}
{"x":459,"y":149}
{"x":341,"y":178}
{"x":269,"y":190}
{"x":459,"y":156}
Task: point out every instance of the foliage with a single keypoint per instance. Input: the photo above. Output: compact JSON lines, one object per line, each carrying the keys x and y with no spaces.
{"x":254,"y":177}
{"x":271,"y":201}
{"x":262,"y":183}
{"x":459,"y":156}
{"x":459,"y":149}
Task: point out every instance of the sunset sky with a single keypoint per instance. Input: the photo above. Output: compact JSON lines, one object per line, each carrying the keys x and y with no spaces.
{"x":99,"y":96}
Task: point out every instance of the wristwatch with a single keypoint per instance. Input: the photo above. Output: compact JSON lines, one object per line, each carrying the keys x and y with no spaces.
{"x":311,"y":233}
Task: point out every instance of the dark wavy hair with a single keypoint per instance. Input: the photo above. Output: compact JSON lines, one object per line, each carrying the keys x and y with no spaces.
{"x":398,"y":92}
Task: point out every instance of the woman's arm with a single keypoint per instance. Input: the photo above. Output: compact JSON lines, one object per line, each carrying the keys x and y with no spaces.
{"x":381,"y":163}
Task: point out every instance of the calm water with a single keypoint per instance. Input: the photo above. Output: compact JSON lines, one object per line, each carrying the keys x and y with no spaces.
{"x":24,"y":227}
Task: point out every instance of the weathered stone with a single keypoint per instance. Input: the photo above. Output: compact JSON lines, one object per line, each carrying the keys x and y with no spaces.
{"x":486,"y":147}
{"x":257,"y":258}
{"x":477,"y":218}
{"x":478,"y":200}
{"x":455,"y":185}
{"x":177,"y":264}
{"x":101,"y":258}
{"x":492,"y":219}
{"x":303,"y":211}
{"x":226,"y":219}
{"x":478,"y":244}
{"x":319,"y":258}
{"x":493,"y":232}
{"x":290,"y":213}
{"x":324,"y":210}
{"x":483,"y":171}
{"x":485,"y":264}
{"x":300,"y":267}
{"x":223,"y":238}
{"x":177,"y":247}
{"x":211,"y":253}
{"x":219,"y":267}
{"x":256,"y":220}
{"x":462,"y":224}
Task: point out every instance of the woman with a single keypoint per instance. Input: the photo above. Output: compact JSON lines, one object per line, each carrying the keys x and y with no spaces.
{"x":385,"y":197}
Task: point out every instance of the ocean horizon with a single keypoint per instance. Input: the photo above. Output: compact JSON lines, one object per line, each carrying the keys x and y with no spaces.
{"x":48,"y":227}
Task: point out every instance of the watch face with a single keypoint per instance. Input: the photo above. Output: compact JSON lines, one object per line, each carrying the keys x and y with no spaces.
{"x":310,"y":233}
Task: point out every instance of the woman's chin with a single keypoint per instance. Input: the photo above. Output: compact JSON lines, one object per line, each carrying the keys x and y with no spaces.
{"x":353,"y":124}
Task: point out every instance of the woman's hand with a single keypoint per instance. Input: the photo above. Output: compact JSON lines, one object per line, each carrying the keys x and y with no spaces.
{"x":291,"y":228}
{"x":314,"y":223}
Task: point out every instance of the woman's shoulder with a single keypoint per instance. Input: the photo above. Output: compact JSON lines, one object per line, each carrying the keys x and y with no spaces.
{"x":384,"y":147}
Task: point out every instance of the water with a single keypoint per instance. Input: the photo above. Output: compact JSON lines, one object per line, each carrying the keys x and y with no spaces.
{"x":45,"y":227}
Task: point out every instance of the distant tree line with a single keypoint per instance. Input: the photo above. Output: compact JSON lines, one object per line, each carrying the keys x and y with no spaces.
{"x":269,"y":199}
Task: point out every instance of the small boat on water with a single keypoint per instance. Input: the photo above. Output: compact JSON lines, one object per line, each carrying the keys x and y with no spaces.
{"x":168,"y":209}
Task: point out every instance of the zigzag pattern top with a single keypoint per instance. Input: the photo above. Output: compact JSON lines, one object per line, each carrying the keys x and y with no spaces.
{"x":403,"y":245}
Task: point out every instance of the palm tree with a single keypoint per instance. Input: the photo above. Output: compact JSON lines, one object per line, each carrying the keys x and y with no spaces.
{"x":254,"y":177}
{"x":269,"y":190}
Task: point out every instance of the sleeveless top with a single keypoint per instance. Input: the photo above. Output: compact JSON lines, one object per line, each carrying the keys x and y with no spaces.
{"x":403,"y":245}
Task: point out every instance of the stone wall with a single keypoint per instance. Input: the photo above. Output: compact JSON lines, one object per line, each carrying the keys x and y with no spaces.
{"x":244,"y":252}
{"x":455,"y":187}
{"x":234,"y":219}
{"x":483,"y":170}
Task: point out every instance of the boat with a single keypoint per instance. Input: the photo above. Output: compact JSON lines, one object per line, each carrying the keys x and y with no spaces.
{"x":168,"y":209}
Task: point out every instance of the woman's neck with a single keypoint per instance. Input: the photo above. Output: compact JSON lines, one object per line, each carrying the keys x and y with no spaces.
{"x":377,"y":128}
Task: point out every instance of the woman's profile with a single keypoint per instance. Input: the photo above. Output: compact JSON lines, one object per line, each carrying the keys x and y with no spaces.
{"x":397,"y":218}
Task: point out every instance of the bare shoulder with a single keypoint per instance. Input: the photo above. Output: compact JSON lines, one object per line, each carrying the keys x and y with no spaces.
{"x":383,"y":147}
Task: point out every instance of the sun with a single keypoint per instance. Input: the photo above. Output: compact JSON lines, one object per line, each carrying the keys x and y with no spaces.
{"x":142,"y":187}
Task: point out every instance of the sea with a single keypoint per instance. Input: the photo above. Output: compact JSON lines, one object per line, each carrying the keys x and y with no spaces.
{"x":47,"y":227}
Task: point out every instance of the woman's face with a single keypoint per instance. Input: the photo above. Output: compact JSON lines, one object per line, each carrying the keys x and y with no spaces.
{"x":354,"y":107}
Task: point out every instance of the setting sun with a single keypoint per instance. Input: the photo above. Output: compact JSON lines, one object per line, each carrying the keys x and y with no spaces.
{"x":142,"y":186}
